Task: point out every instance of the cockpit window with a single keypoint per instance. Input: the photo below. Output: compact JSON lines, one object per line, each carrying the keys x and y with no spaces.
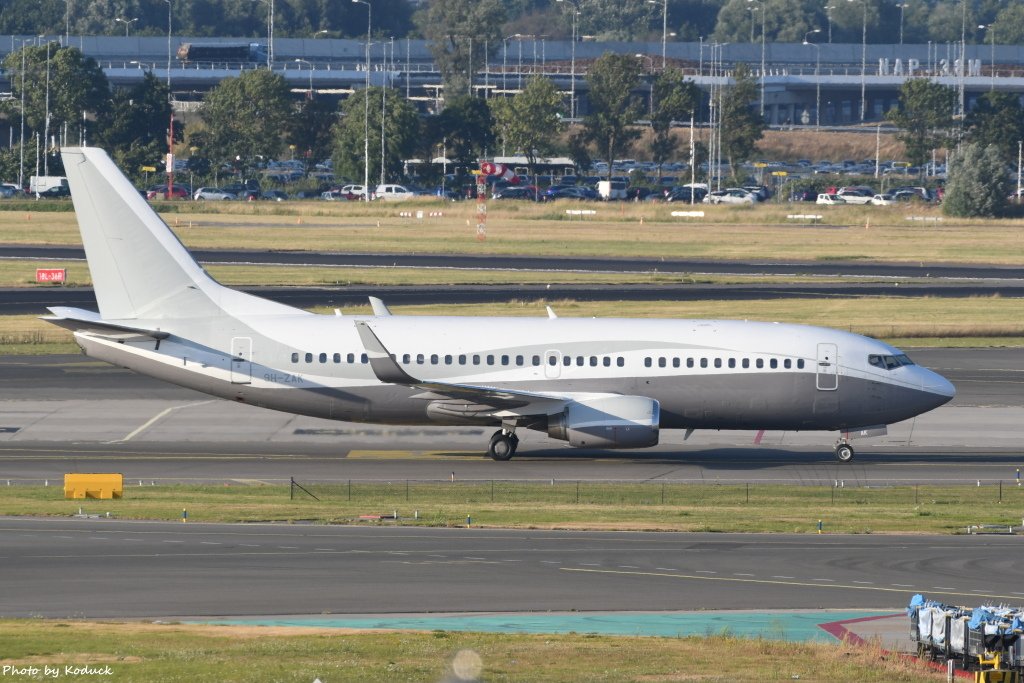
{"x":889,"y":362}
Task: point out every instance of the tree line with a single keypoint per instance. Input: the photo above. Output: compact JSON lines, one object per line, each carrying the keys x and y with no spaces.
{"x":455,"y":21}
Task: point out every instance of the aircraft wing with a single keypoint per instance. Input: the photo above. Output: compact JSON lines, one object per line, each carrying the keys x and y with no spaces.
{"x":80,"y":320}
{"x":464,"y":399}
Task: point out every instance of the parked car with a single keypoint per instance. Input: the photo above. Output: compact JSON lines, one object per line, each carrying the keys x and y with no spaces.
{"x":731,"y":195}
{"x":684,"y":194}
{"x":882,"y":200}
{"x":274,"y":195}
{"x":803,"y":194}
{"x":212,"y":194}
{"x":353,"y":191}
{"x":393,"y":193}
{"x":856,"y":195}
{"x":568,"y":192}
{"x":825,"y":198}
{"x":517,"y":192}
{"x":8,"y":191}
{"x":160,"y":192}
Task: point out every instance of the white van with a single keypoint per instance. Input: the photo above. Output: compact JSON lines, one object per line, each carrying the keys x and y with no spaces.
{"x":393,"y":193}
{"x":611,"y":189}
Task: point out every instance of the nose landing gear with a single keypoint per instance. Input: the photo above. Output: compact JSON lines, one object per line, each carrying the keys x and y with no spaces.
{"x":843,"y":450}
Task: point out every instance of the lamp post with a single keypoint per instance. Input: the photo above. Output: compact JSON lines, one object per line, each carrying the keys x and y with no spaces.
{"x":67,"y":23}
{"x":828,"y":16}
{"x":127,"y":24}
{"x":168,"y":48}
{"x":759,"y":5}
{"x":572,"y":63}
{"x":664,"y":27}
{"x":751,"y":9}
{"x":366,"y":98}
{"x":310,"y":64}
{"x":903,"y":7}
{"x":21,"y":145}
{"x":991,"y":28}
{"x":46,"y":120}
{"x":863,"y":59}
{"x":817,"y":77}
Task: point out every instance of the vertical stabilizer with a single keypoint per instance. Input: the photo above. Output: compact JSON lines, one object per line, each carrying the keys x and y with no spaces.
{"x":135,"y":260}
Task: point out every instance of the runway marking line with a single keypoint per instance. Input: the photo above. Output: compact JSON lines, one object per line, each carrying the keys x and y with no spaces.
{"x":409,"y":455}
{"x":156,"y":418}
{"x":949,"y":591}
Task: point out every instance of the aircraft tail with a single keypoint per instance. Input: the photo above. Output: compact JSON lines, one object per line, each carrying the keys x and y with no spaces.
{"x":140,"y":270}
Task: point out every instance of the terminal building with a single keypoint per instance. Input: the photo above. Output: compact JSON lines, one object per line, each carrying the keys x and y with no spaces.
{"x":809,"y":84}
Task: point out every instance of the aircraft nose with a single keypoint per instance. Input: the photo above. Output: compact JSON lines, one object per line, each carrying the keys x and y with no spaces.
{"x":934,"y":383}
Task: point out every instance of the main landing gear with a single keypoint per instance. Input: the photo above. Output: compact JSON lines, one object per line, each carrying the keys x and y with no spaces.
{"x":503,"y":445}
{"x":843,"y":450}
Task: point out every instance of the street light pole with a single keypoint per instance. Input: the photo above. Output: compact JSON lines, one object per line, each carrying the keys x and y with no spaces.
{"x":572,"y":62}
{"x":127,"y":23}
{"x":310,"y":75}
{"x":366,"y":98}
{"x":863,"y":59}
{"x":756,"y":6}
{"x":902,"y":6}
{"x":664,"y":27}
{"x":46,"y":120}
{"x":991,"y":28}
{"x":168,"y":48}
{"x":817,"y":77}
{"x":828,"y":16}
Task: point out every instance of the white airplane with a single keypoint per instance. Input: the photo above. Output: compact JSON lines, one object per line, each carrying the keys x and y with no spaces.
{"x":596,"y":383}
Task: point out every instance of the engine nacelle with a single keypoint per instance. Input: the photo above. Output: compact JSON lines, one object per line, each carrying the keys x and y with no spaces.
{"x":608,"y":422}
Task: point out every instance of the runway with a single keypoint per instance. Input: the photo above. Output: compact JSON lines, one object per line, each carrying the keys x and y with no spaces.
{"x":66,"y":413}
{"x":108,"y":569}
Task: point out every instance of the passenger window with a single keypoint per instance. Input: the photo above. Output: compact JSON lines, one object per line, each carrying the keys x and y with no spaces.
{"x":504,"y":359}
{"x":580,"y":360}
{"x":607,"y":360}
{"x":364,"y":358}
{"x":773,"y":363}
{"x":462,"y":359}
{"x":419,"y":359}
{"x":675,"y":362}
{"x":447,"y":359}
{"x":566,"y":361}
{"x":490,"y":359}
{"x":647,"y":362}
{"x":620,"y":361}
{"x":800,"y":363}
{"x":536,"y":361}
{"x":552,"y":360}
{"x":406,"y":358}
{"x":703,"y":362}
{"x":732,"y":362}
{"x":689,"y":362}
{"x":746,"y":363}
{"x":476,"y":359}
{"x":718,"y":362}
{"x":351,"y":358}
{"x":323,"y":358}
{"x":336,"y":358}
{"x":593,"y":361}
{"x":519,"y":361}
{"x":433,"y":359}
{"x":787,"y":364}
{"x":661,"y":362}
{"x":309,"y":358}
{"x":295,"y":357}
{"x":759,"y":363}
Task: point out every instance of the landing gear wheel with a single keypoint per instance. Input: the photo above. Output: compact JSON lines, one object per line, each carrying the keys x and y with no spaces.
{"x":844,"y":452}
{"x":502,"y":446}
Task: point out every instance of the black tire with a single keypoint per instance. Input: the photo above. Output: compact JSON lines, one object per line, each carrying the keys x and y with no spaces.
{"x":501,"y":448}
{"x":844,"y":452}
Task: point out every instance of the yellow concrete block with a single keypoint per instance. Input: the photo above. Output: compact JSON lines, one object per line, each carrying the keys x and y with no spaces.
{"x":104,"y":486}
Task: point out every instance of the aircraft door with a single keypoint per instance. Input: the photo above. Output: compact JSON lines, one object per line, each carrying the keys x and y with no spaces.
{"x":552,"y":364}
{"x":241,"y":360}
{"x":827,"y":377}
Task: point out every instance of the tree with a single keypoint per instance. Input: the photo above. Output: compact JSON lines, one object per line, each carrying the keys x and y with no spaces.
{"x":613,"y":109}
{"x":309,"y":129}
{"x":401,"y":128}
{"x":245,"y":118}
{"x":784,"y":20}
{"x":977,"y":184}
{"x":466,"y":127}
{"x":924,"y":117}
{"x":1010,"y":24}
{"x":76,"y":86}
{"x":529,"y":122}
{"x":741,"y":126}
{"x":134,"y":128}
{"x":997,"y":119}
{"x":675,"y":99}
{"x":458,"y":32}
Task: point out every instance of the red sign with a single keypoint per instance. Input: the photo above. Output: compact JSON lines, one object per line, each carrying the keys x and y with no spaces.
{"x":58,"y":275}
{"x":487,"y":168}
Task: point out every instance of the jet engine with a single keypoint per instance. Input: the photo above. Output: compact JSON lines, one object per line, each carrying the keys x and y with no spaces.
{"x":607,"y":422}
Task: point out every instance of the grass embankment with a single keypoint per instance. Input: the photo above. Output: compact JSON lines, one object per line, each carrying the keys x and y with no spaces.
{"x":756,"y":507}
{"x":153,"y":653}
{"x":620,"y":230}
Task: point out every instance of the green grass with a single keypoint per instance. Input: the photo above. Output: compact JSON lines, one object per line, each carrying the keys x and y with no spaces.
{"x":755,"y":507}
{"x":172,"y":653}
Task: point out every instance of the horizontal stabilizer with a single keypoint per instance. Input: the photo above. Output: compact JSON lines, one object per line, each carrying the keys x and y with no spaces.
{"x":79,"y":320}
